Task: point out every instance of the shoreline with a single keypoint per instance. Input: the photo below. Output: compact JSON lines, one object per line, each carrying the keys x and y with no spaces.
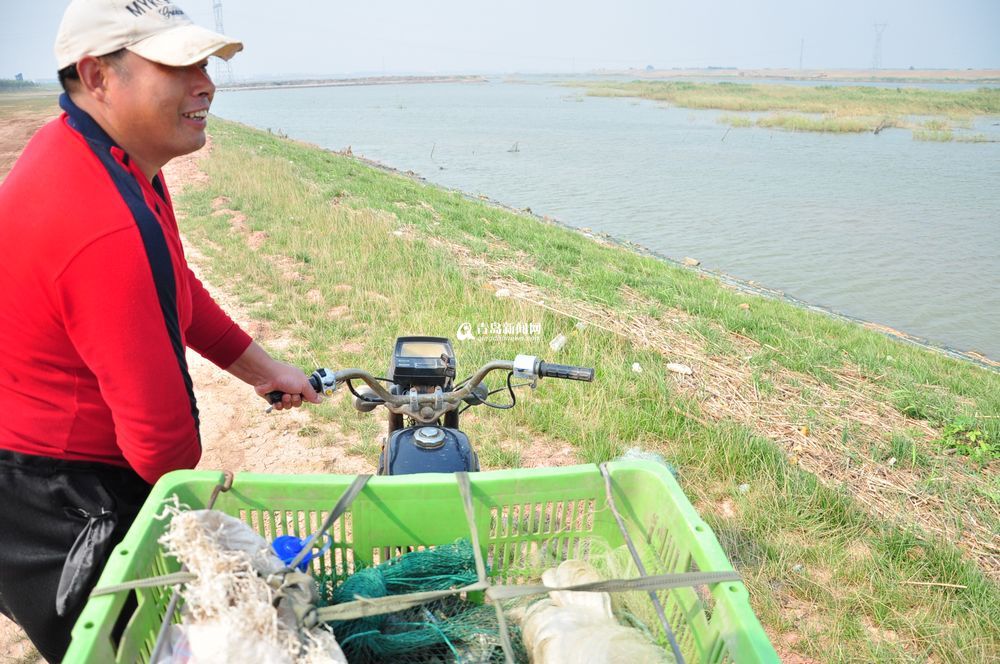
{"x":748,"y":286}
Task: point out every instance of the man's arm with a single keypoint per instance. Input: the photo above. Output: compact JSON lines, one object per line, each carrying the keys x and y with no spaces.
{"x":212,"y":333}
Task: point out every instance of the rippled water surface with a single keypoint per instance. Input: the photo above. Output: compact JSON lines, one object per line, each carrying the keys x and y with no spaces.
{"x":884,"y":228}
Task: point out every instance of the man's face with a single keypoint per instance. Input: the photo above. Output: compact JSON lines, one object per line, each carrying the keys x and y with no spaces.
{"x":158,"y":112}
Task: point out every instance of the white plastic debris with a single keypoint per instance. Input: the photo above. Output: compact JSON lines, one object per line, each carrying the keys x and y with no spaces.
{"x":503,"y":292}
{"x":639,"y":453}
{"x":636,"y":367}
{"x":229,"y":610}
{"x":642,"y":455}
{"x":682,"y":369}
{"x":572,"y":626}
{"x":558,"y":342}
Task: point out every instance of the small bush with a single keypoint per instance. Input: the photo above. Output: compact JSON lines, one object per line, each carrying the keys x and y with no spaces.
{"x":937,"y":125}
{"x":966,"y":437}
{"x":933,"y":136}
{"x":827,"y":123}
{"x":735,"y":120}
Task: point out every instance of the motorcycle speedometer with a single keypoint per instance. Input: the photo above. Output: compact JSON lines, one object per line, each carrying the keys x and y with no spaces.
{"x":422,"y":361}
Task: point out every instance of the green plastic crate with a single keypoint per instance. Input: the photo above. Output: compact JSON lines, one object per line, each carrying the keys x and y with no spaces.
{"x":518,"y":512}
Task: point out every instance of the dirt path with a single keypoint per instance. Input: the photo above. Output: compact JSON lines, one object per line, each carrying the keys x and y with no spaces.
{"x":15,"y":130}
{"x":236,"y":433}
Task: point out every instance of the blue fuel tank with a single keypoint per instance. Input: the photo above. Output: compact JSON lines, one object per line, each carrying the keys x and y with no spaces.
{"x":427,"y":449}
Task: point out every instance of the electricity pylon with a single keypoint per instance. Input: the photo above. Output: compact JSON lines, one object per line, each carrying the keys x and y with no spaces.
{"x":223,"y":70}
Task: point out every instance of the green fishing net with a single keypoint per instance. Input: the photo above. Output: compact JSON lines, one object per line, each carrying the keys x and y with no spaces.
{"x":454,"y":629}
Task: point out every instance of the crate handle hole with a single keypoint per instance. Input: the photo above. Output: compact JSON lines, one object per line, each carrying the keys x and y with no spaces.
{"x":733,"y":589}
{"x":123,"y":552}
{"x":88,"y":625}
{"x":700,"y":529}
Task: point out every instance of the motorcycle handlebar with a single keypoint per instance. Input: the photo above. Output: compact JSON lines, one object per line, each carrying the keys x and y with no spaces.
{"x":316,"y":380}
{"x":565,"y":371}
{"x":325,"y":381}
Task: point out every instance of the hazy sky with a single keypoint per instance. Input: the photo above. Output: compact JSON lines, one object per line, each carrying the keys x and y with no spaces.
{"x":312,"y":37}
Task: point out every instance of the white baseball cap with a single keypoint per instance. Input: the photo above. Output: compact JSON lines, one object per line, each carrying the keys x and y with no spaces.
{"x":158,"y":30}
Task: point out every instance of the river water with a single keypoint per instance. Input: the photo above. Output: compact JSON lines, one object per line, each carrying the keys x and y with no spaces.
{"x":881,"y":227}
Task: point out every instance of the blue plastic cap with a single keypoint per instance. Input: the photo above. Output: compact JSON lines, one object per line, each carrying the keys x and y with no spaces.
{"x":287,"y":547}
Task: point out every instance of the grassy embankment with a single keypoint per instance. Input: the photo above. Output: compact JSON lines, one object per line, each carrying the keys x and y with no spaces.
{"x":828,"y":108}
{"x":23,"y":103}
{"x":817,"y":450}
{"x":21,"y":113}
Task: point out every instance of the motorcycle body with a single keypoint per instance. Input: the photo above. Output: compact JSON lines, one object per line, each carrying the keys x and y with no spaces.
{"x":427,"y":449}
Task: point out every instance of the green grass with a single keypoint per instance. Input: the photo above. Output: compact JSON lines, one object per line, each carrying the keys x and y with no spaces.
{"x":905,"y":450}
{"x":735,"y":120}
{"x":845,"y":100}
{"x":933,"y":136}
{"x":836,"y":109}
{"x":332,"y":223}
{"x":829,"y":123}
{"x":936,"y":130}
{"x":31,"y":103}
{"x":798,"y":122}
{"x":936,"y":124}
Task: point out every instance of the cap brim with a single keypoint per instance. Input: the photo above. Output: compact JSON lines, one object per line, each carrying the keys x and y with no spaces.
{"x":186,"y":45}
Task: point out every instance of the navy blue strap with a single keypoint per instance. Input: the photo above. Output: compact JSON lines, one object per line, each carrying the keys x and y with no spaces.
{"x":153,"y":240}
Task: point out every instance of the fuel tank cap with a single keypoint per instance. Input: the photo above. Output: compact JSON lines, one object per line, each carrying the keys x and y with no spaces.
{"x":429,"y":438}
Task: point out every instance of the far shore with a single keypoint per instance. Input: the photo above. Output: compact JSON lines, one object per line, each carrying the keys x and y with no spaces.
{"x":968,"y":76}
{"x":350,"y":82}
{"x":860,"y":75}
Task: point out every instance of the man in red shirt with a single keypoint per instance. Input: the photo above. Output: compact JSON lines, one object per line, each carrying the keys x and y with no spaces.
{"x":98,"y":305}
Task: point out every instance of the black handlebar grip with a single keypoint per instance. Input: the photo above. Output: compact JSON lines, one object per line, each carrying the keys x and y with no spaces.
{"x":567,"y":371}
{"x":275,"y":396}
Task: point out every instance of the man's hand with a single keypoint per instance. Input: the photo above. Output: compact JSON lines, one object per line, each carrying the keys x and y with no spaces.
{"x":292,"y":382}
{"x":266,"y":374}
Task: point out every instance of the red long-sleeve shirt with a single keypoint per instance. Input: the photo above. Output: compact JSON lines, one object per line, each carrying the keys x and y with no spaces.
{"x":96,"y":306}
